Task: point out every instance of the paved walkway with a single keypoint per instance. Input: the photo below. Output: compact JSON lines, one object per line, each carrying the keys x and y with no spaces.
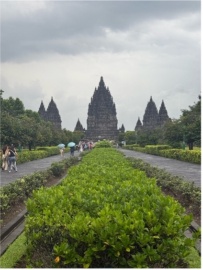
{"x":31,"y":167}
{"x":188,"y":171}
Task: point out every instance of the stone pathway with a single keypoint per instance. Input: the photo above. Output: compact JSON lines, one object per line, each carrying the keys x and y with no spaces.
{"x":188,"y":171}
{"x":31,"y":167}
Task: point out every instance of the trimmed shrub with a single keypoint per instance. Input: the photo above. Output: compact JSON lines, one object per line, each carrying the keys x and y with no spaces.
{"x":21,"y":189}
{"x":103,"y":144}
{"x":192,"y":156}
{"x":106,"y":214}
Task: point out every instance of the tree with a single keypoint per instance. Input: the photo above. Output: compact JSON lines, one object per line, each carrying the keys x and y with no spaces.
{"x":191,"y":122}
{"x":12,"y":106}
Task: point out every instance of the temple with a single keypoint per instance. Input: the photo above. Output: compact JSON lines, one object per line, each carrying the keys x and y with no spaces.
{"x":102,"y":119}
{"x":52,"y":113}
{"x":79,"y":126}
{"x":152,"y":118}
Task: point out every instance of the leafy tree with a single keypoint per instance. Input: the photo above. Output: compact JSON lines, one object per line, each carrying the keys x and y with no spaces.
{"x":12,"y":106}
{"x":173,"y":133}
{"x":130,"y":137}
{"x":191,"y":122}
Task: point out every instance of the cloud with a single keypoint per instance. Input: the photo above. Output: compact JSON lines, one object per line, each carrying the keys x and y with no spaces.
{"x":62,"y":48}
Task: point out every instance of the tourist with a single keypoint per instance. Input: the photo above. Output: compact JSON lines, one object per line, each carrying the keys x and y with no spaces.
{"x":12,"y":158}
{"x":62,"y":151}
{"x":5,"y":158}
{"x":72,"y":149}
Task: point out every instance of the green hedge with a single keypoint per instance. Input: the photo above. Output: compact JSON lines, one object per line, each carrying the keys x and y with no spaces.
{"x":21,"y":189}
{"x":41,"y":152}
{"x":192,"y":156}
{"x":106,"y":215}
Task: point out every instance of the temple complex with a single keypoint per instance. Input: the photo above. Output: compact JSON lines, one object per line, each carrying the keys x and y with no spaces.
{"x":102,"y":119}
{"x":152,"y":118}
{"x":51,"y":114}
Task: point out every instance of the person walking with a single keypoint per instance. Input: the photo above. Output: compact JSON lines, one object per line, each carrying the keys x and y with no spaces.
{"x":5,"y":158}
{"x":72,"y":149}
{"x":12,"y":158}
{"x":62,"y":152}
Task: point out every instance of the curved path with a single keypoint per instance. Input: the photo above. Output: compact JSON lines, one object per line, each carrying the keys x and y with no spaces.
{"x":188,"y":171}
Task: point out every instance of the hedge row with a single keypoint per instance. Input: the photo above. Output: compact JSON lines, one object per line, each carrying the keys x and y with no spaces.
{"x":186,"y":192}
{"x":193,"y":156}
{"x":41,"y":152}
{"x":106,"y":214}
{"x":21,"y":189}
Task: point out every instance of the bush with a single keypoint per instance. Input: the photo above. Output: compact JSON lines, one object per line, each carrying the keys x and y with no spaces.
{"x":21,"y":189}
{"x":57,"y":168}
{"x":106,"y":214}
{"x":192,"y":156}
{"x":103,"y":144}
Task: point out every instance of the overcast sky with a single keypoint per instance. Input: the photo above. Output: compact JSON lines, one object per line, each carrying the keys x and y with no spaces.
{"x":60,"y":49}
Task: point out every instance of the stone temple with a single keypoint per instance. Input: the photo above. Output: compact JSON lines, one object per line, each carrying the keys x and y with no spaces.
{"x":102,"y":120}
{"x":51,"y":114}
{"x":152,"y":117}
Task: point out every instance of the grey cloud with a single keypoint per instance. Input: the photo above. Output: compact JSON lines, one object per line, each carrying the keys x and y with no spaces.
{"x":74,"y":27}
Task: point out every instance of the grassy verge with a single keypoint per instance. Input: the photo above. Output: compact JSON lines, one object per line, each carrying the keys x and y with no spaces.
{"x":13,"y":254}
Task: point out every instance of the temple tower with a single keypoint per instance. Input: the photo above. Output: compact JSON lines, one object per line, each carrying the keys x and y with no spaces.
{"x":42,"y":112}
{"x":102,"y":120}
{"x":52,"y":113}
{"x":163,"y":114}
{"x":150,"y":119}
{"x":79,"y":126}
{"x":138,"y":125}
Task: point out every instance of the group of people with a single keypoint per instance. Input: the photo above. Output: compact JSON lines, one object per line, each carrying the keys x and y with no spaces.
{"x":9,"y":155}
{"x":85,"y":145}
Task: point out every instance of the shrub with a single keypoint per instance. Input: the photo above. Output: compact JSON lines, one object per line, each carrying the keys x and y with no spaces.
{"x":57,"y":168}
{"x":103,"y":144}
{"x":106,"y":214}
{"x":21,"y":189}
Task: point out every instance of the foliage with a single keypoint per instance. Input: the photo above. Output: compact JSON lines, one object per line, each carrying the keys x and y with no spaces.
{"x":103,"y":144}
{"x":21,"y":189}
{"x":190,"y":194}
{"x":187,"y":128}
{"x":28,"y":129}
{"x":106,"y":214}
{"x":57,"y":168}
{"x":191,"y":121}
{"x":193,"y":156}
{"x":14,"y":252}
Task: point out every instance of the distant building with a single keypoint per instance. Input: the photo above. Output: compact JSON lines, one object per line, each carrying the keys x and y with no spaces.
{"x":152,"y":118}
{"x":79,"y":126}
{"x":51,"y":114}
{"x":122,"y":129}
{"x":102,"y":119}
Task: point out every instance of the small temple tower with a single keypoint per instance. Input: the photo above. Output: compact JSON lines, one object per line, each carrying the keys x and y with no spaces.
{"x":102,"y":120}
{"x":79,"y":126}
{"x":52,"y":113}
{"x":150,"y":119}
{"x":122,"y":129}
{"x":138,"y":125}
{"x":42,"y":112}
{"x":163,"y":115}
